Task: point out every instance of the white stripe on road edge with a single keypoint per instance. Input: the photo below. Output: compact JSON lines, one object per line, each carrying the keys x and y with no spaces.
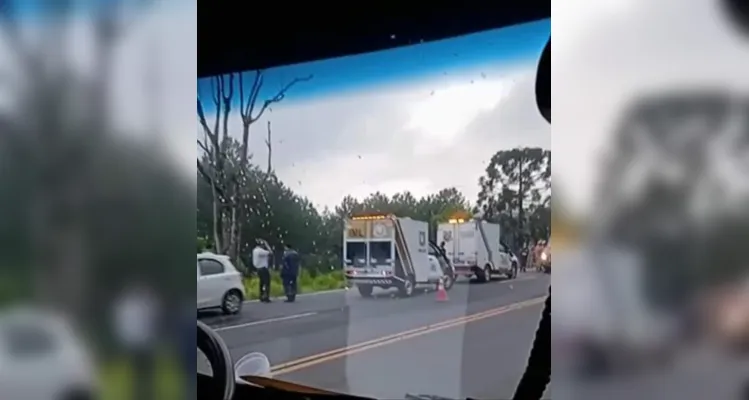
{"x":265,"y":321}
{"x":520,"y":279}
{"x":301,"y":295}
{"x":308,"y":314}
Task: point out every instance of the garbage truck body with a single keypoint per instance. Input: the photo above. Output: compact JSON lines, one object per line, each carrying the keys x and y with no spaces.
{"x":386,"y":251}
{"x":474,"y":248}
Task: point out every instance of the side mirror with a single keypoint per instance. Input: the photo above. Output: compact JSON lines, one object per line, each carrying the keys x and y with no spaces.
{"x":253,"y":364}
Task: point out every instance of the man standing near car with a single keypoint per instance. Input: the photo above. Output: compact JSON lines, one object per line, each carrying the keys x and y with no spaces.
{"x":260,"y":259}
{"x":290,"y":272}
{"x":524,"y":253}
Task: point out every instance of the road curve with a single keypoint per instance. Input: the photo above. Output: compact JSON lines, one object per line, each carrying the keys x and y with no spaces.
{"x":476,"y":344}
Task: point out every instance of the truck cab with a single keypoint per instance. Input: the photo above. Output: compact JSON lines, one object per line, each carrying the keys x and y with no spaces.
{"x":386,"y":251}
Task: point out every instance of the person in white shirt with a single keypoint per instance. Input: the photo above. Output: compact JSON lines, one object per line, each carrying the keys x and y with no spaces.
{"x":261,"y":259}
{"x":136,"y":324}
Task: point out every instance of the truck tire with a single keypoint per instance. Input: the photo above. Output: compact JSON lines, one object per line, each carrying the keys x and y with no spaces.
{"x":513,"y":271}
{"x":449,"y":281}
{"x":487,"y":274}
{"x":365,"y":290}
{"x":406,"y":288}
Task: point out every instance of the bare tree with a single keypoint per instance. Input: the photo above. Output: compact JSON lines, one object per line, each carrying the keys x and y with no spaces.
{"x":225,"y":182}
{"x":269,"y":145}
{"x":213,"y":145}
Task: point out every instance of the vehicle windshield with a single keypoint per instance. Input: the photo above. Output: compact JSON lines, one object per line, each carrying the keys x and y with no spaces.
{"x":421,"y":133}
{"x":379,"y":252}
{"x":356,"y":254}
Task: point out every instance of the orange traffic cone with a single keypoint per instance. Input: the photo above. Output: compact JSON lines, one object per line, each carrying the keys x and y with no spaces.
{"x":441,"y":292}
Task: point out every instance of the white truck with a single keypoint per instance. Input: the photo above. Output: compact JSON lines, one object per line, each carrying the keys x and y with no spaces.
{"x":474,"y":247}
{"x":386,"y":251}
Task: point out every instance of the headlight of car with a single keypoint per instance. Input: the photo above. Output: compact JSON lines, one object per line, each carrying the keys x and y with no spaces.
{"x":544,"y":256}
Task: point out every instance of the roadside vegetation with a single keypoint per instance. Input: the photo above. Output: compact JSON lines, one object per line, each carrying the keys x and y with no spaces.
{"x":309,"y":282}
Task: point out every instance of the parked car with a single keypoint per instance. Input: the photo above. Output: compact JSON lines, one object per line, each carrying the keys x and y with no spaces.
{"x":220,"y":284}
{"x":42,"y":358}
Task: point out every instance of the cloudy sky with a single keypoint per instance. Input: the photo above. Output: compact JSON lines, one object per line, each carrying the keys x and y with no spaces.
{"x":606,"y":53}
{"x":420,"y":118}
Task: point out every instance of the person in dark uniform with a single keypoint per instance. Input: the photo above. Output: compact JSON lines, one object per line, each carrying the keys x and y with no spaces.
{"x":290,"y":272}
{"x":524,"y":256}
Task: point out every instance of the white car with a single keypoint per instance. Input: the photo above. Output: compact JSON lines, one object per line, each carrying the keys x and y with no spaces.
{"x":42,"y":358}
{"x":220,"y":285}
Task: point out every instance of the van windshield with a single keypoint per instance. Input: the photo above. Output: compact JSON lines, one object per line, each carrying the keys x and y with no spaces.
{"x":356,"y":254}
{"x":380,"y":252}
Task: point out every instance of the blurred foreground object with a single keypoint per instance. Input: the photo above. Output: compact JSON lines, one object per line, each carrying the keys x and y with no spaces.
{"x":725,"y":316}
{"x":42,"y":358}
{"x":94,"y":200}
{"x":603,"y":326}
{"x":136,"y":315}
{"x":657,"y":167}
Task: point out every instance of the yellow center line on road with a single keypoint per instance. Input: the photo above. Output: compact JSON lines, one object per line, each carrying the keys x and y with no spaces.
{"x":310,"y":361}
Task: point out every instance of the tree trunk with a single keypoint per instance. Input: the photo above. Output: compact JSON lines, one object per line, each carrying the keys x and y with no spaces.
{"x":269,"y":144}
{"x":217,"y":231}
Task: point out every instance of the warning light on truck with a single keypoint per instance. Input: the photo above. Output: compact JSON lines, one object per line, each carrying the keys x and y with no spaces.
{"x":368,"y":217}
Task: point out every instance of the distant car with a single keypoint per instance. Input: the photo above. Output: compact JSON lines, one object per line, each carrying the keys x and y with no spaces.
{"x":220,"y":285}
{"x":726,"y":316}
{"x":545,"y":258}
{"x":42,"y":358}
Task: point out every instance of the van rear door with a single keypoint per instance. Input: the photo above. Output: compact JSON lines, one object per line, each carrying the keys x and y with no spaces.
{"x":467,"y":238}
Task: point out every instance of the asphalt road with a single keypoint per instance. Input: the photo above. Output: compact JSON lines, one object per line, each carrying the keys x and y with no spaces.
{"x":474,"y":345}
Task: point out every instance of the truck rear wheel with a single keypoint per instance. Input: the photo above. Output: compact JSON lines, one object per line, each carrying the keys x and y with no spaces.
{"x":487,"y":274}
{"x":406,"y":288}
{"x":365,"y":290}
{"x":449,"y":281}
{"x":513,"y":271}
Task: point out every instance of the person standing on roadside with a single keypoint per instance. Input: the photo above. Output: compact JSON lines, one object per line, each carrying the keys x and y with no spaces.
{"x":290,"y":272}
{"x":531,"y":263}
{"x":524,"y":251}
{"x":136,"y":318}
{"x":260,"y":260}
